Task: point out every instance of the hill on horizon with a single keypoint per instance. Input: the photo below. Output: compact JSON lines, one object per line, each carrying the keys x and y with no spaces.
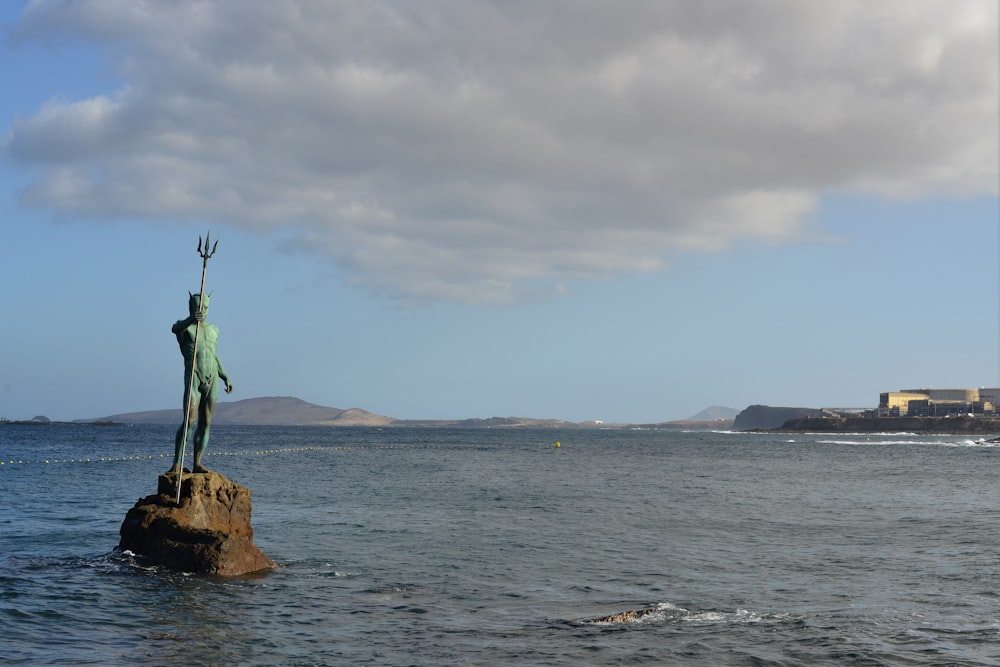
{"x":291,"y":411}
{"x":714,"y":413}
{"x":264,"y":411}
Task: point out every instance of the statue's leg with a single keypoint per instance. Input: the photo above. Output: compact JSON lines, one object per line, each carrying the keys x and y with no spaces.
{"x":178,"y":438}
{"x":205,"y":410}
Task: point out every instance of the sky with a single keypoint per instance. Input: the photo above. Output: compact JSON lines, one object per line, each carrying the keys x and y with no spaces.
{"x":576,"y":210}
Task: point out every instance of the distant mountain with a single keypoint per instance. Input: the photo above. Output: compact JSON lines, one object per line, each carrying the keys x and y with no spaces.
{"x":290,"y":411}
{"x":274,"y":410}
{"x":713,"y":414}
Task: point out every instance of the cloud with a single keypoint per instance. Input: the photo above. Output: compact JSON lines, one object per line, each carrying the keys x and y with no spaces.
{"x":492,"y":151}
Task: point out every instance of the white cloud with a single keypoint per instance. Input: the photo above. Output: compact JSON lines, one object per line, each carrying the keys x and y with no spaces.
{"x":482,"y":151}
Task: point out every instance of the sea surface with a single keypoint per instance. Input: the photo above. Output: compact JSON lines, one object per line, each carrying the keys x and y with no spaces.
{"x":494,"y":547}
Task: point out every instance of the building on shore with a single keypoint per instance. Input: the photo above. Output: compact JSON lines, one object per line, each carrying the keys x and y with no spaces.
{"x":939,"y":402}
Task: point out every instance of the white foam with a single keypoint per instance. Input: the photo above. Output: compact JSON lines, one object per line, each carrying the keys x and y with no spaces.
{"x":669,"y":612}
{"x":939,"y":443}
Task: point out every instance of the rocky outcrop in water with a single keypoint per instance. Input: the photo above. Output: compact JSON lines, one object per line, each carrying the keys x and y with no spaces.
{"x":209,"y":532}
{"x":629,"y":616}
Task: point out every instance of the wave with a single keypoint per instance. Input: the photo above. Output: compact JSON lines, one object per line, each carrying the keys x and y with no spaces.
{"x":666,"y":612}
{"x":966,"y":442}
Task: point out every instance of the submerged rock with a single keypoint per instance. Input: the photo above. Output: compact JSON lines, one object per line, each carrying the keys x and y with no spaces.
{"x":624,"y":617}
{"x":209,"y":532}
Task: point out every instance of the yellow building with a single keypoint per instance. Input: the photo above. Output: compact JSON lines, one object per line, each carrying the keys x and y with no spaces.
{"x":938,"y":402}
{"x":967,"y":395}
{"x":989,"y":394}
{"x":897,"y":403}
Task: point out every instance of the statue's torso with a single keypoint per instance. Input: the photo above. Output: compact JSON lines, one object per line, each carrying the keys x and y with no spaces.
{"x":208,"y":338}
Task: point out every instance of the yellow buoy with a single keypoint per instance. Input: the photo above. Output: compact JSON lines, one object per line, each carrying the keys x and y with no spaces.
{"x":557,"y":444}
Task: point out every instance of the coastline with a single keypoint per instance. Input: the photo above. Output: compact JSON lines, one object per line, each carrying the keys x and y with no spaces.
{"x":952,"y":425}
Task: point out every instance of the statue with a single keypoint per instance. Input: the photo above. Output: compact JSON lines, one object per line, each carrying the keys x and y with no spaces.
{"x":201,"y":394}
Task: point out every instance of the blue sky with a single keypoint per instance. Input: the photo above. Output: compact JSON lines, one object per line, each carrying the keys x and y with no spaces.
{"x":476,"y":209}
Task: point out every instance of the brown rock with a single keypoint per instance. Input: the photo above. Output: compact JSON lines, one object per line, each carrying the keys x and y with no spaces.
{"x":209,"y":532}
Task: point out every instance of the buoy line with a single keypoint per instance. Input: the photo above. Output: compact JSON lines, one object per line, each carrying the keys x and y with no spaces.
{"x":9,"y":462}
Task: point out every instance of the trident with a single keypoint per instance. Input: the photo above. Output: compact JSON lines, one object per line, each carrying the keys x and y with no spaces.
{"x":205,"y":255}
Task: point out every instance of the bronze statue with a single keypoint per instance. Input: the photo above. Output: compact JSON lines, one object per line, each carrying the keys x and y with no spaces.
{"x":201,"y":390}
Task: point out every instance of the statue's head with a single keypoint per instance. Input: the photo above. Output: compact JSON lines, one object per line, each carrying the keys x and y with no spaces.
{"x":194,"y":299}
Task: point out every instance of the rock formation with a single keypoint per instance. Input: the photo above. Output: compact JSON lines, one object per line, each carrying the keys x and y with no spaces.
{"x":767,"y":417}
{"x":209,"y":532}
{"x":954,"y":425}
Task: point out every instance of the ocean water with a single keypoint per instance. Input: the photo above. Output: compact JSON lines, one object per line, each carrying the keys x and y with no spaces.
{"x":493,"y":547}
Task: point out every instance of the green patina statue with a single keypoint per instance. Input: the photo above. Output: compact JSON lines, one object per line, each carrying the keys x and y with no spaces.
{"x":200,"y":395}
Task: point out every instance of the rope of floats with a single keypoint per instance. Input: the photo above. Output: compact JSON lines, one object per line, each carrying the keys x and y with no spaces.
{"x":14,"y":462}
